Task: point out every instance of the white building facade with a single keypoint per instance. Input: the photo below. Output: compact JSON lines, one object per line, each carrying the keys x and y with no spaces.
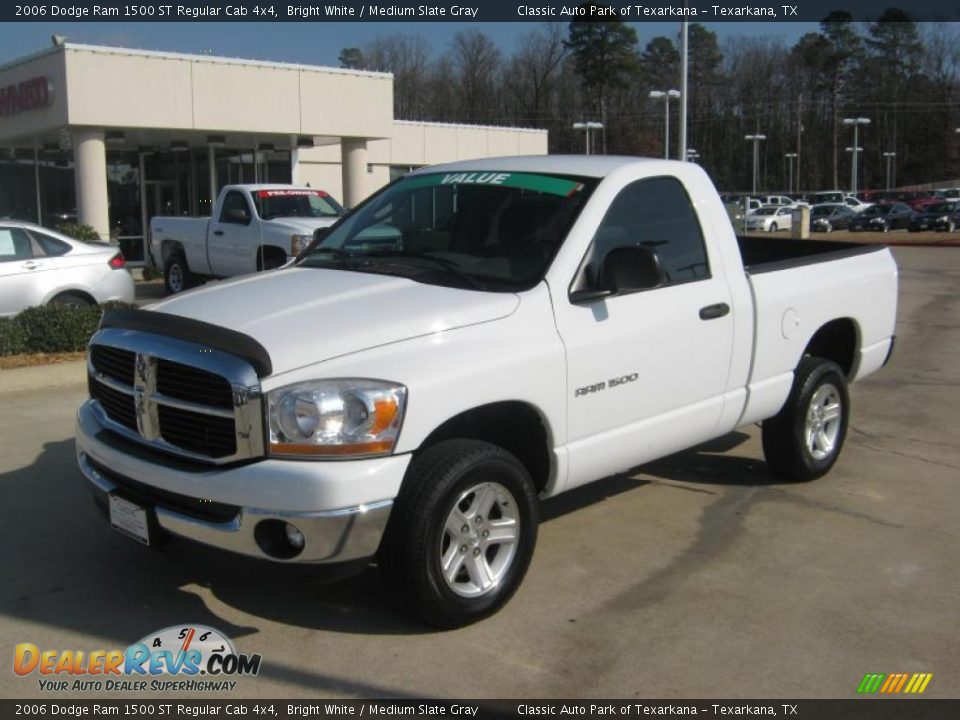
{"x":110,"y":137}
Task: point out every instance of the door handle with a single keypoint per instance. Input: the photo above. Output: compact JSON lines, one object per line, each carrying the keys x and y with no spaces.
{"x":218,"y":232}
{"x":31,"y":265}
{"x":712,"y":312}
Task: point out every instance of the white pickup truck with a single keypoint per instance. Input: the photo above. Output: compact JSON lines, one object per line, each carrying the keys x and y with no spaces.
{"x":253,"y":227}
{"x":538,"y":323}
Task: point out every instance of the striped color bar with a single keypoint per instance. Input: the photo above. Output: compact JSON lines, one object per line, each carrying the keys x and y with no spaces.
{"x":894,"y":683}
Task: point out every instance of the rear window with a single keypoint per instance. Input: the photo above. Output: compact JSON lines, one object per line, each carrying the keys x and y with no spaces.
{"x":51,"y":246}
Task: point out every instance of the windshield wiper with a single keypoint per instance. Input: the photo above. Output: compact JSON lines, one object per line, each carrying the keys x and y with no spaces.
{"x":449,"y":265}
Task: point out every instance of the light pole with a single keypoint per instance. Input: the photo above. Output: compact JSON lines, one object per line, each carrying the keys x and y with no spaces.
{"x":856,"y":122}
{"x":755,"y":139}
{"x":790,"y":157}
{"x":684,"y":52}
{"x":890,"y":158}
{"x":587,"y":127}
{"x":667,"y":96}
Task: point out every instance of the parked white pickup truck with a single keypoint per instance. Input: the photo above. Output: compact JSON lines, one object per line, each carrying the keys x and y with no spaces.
{"x":538,"y":323}
{"x":253,"y":227}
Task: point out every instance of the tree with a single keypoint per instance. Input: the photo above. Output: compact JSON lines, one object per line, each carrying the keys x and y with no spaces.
{"x":475,"y":60}
{"x":534,"y":70}
{"x":660,"y":64}
{"x":352,"y":58}
{"x":604,"y":55}
{"x":408,"y":58}
{"x":843,"y":46}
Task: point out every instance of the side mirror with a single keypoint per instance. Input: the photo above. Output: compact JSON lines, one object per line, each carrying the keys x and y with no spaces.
{"x":237,"y":215}
{"x":319,"y":234}
{"x":625,"y":269}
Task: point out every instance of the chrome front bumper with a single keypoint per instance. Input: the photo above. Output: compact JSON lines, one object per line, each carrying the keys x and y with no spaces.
{"x":337,"y":535}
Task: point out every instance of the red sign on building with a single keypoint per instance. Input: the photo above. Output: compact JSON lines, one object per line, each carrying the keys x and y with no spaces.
{"x":27,"y":95}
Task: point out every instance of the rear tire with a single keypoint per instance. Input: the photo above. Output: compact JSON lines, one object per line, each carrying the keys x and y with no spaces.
{"x":71,"y":300}
{"x":773,"y":227}
{"x":176,"y":275}
{"x":461,"y":533}
{"x":804,"y":440}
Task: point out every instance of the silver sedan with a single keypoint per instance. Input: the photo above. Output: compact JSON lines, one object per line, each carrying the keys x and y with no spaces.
{"x":40,"y":266}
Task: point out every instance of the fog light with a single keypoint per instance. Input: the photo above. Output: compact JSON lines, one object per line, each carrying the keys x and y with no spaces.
{"x":294,"y":536}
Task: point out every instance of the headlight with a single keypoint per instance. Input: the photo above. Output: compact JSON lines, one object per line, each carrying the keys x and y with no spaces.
{"x":298,"y":243}
{"x":335,"y":418}
{"x":942,"y":218}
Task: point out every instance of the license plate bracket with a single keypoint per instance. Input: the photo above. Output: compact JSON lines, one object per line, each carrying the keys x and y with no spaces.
{"x":130,"y":519}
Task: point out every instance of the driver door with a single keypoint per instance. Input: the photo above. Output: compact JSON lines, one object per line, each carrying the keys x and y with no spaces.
{"x":233,"y":237}
{"x":646,"y":369}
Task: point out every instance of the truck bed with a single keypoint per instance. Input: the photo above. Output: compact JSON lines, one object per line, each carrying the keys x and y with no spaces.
{"x":766,"y":254}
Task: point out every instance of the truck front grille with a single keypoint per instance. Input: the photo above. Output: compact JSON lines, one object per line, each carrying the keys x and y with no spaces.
{"x":171,"y":405}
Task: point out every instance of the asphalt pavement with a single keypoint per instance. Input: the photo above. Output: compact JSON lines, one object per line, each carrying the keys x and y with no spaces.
{"x":700,"y":575}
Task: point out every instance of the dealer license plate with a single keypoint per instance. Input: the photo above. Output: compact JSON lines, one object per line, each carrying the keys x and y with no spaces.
{"x":130,"y":519}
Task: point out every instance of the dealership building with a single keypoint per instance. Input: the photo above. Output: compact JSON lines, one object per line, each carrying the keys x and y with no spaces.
{"x":111,"y":136}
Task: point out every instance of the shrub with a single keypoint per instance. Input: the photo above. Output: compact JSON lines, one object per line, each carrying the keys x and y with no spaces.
{"x":79,"y":232}
{"x":52,"y":328}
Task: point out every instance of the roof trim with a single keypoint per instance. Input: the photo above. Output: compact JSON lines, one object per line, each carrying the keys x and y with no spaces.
{"x":193,"y":57}
{"x":29,"y":58}
{"x":467,"y":126}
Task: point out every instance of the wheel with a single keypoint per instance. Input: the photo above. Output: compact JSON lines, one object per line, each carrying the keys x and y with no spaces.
{"x":951,"y":226}
{"x":270,"y":261}
{"x":886,"y":228}
{"x":461,"y":533}
{"x":828,"y":227}
{"x":773,"y":227}
{"x":804,"y":440}
{"x":176,"y":276}
{"x":70,"y":300}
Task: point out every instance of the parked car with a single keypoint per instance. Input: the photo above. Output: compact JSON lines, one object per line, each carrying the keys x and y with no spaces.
{"x":360,"y":403}
{"x":830,"y":216}
{"x":253,"y":227}
{"x":855,"y":203}
{"x":776,"y":200}
{"x":882,"y":218}
{"x":770,"y":218}
{"x":40,"y":266}
{"x":825,"y":197}
{"x":923,"y":202}
{"x":940,"y":216}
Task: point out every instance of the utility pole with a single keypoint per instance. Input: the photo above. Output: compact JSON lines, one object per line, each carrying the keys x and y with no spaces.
{"x":856,"y":122}
{"x":755,"y":139}
{"x":667,"y":96}
{"x":684,"y":41}
{"x":790,"y":158}
{"x":890,"y":158}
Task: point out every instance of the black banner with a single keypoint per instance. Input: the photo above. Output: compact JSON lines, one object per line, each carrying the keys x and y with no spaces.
{"x":854,"y":709}
{"x":707,"y":11}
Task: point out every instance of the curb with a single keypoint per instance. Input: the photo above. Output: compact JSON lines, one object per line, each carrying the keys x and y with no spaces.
{"x":43,"y":377}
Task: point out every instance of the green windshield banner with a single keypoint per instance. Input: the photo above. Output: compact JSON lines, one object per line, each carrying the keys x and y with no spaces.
{"x":524,"y":181}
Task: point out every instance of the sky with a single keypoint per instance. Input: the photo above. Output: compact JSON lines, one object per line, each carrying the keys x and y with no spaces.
{"x":313,"y":42}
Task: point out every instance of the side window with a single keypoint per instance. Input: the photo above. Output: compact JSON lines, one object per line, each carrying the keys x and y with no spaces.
{"x":235,"y":209}
{"x":50,"y":245}
{"x":655,"y":214}
{"x":14,"y":245}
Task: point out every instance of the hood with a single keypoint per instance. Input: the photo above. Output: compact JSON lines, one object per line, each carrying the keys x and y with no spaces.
{"x":304,"y":316}
{"x":300,"y":225}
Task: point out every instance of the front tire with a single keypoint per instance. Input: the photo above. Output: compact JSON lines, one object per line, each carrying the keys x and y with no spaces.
{"x":461,"y":534}
{"x":773,"y":228}
{"x":805,"y":439}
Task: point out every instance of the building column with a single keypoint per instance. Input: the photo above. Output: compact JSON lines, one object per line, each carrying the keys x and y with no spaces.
{"x":295,"y":166}
{"x":90,"y":180}
{"x":354,"y":169}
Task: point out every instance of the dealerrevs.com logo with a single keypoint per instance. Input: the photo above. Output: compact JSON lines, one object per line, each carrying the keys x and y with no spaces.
{"x":179,"y":658}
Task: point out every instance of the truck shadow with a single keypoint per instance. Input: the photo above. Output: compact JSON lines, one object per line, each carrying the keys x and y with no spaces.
{"x":66,"y":570}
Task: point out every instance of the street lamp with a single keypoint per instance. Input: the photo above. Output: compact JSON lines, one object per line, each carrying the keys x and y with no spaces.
{"x":890,"y":159}
{"x":587,"y":127}
{"x":755,"y":139}
{"x":790,"y":157}
{"x":667,"y":96}
{"x":856,"y":122}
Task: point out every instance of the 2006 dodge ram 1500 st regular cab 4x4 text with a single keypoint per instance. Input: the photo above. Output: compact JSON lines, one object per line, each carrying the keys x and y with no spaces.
{"x":539,"y":323}
{"x":252,"y":228}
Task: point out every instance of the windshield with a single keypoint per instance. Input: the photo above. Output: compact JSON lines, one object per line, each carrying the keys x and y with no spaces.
{"x":878,"y":210}
{"x":765,"y":211}
{"x":940,"y":208}
{"x":492,"y":231}
{"x":296,"y":203}
{"x":823,"y":210}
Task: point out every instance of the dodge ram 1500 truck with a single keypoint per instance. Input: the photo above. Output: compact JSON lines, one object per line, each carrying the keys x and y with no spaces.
{"x":253,"y":227}
{"x":535,"y":324}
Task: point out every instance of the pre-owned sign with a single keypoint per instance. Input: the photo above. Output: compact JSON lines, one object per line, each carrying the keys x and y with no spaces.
{"x":27,"y":95}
